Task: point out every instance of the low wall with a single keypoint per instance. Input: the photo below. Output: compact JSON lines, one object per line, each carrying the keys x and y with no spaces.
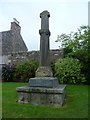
{"x":17,"y":57}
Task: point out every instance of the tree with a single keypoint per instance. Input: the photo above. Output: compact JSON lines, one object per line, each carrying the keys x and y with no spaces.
{"x":77,"y":45}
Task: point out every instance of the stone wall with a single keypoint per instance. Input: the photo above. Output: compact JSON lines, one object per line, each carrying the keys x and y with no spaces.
{"x":17,"y":57}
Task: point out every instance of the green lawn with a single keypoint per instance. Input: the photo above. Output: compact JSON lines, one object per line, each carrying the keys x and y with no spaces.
{"x":76,"y":104}
{"x":0,"y":100}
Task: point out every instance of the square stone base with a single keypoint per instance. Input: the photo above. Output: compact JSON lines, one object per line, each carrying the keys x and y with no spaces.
{"x":43,"y":82}
{"x":42,"y":96}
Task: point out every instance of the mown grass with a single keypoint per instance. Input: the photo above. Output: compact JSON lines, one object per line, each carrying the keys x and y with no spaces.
{"x":76,"y":104}
{"x":0,"y":100}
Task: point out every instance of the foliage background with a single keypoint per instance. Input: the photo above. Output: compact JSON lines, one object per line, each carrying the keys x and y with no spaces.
{"x":77,"y":45}
{"x":25,"y":70}
{"x":68,"y":71}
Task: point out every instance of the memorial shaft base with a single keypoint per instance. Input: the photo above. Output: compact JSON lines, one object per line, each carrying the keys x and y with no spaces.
{"x":42,"y":96}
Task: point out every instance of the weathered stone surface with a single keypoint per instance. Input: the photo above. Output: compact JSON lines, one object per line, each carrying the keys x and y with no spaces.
{"x":44,"y":19}
{"x":58,"y":89}
{"x":44,"y":71}
{"x":23,"y":96}
{"x":43,"y":82}
{"x":42,"y":96}
{"x":17,"y":57}
{"x":44,"y":38}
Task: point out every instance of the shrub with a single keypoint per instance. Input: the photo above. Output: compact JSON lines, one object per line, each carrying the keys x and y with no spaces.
{"x":68,"y":71}
{"x":25,"y":70}
{"x":7,"y":72}
{"x":52,"y":65}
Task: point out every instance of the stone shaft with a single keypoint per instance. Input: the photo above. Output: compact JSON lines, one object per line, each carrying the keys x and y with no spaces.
{"x":44,"y":38}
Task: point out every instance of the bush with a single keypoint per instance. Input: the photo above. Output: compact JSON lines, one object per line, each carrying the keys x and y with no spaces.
{"x":68,"y":71}
{"x":7,"y":72}
{"x":52,"y":65}
{"x":25,"y":70}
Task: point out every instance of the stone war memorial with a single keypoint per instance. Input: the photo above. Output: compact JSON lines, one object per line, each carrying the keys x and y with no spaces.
{"x":44,"y":89}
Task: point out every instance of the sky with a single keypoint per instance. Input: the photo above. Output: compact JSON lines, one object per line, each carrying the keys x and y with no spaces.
{"x":65,"y":16}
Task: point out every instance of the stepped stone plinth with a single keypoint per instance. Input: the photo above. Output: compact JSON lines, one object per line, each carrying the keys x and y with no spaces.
{"x":42,"y":95}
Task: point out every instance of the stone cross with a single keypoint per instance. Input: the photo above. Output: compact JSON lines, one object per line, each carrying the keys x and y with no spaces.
{"x":44,"y":38}
{"x":44,"y":89}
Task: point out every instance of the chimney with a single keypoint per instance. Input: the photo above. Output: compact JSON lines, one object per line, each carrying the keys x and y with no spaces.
{"x":15,"y":26}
